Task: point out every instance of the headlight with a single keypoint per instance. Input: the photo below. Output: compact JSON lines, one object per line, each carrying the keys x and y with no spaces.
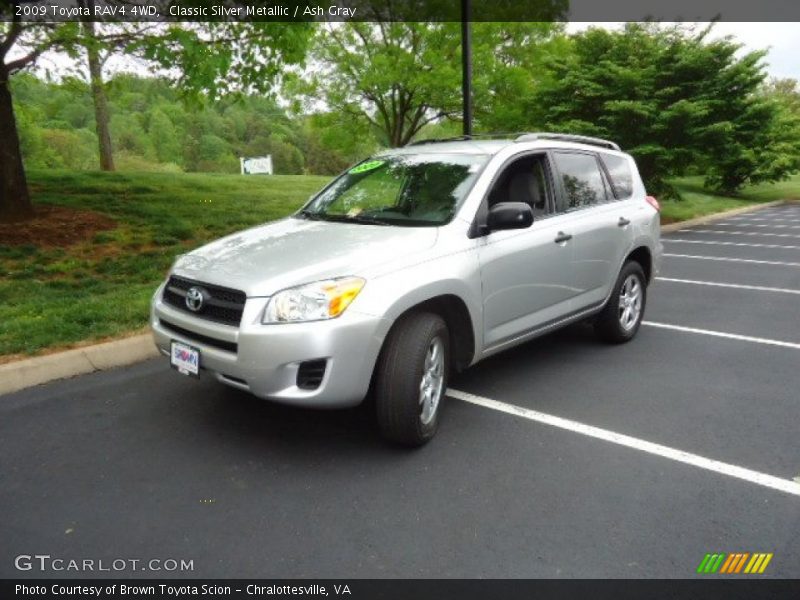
{"x":313,"y":302}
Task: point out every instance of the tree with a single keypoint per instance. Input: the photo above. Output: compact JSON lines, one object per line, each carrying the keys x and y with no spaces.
{"x":400,"y":76}
{"x":674,"y":99}
{"x":331,"y":143}
{"x":786,"y":92}
{"x":511,"y":63}
{"x":757,"y":142}
{"x":163,"y":137}
{"x":204,"y":59}
{"x":15,"y":204}
{"x":95,"y":59}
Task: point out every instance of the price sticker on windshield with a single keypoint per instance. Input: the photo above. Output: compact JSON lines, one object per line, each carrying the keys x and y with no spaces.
{"x":367,"y":166}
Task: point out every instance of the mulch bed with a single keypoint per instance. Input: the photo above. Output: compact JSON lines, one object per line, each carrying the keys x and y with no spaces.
{"x":55,"y":226}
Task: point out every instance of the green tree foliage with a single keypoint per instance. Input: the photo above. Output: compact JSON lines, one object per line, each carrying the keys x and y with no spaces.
{"x":74,"y":149}
{"x":676,"y":100}
{"x":786,"y":92}
{"x":153,"y":129}
{"x":398,"y":77}
{"x":331,"y":143}
{"x":510,"y":63}
{"x":130,"y":135}
{"x":163,"y":136}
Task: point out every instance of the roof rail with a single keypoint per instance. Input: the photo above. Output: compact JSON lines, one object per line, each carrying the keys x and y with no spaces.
{"x":464,"y":138}
{"x":566,"y":137}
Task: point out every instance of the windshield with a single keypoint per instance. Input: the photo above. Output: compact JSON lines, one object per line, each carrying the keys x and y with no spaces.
{"x":410,"y":190}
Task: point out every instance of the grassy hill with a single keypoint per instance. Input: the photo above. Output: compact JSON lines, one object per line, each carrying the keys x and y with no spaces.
{"x":100,"y":285}
{"x":87,"y":271}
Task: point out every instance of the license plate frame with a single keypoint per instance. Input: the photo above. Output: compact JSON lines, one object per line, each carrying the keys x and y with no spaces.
{"x":184,"y":358}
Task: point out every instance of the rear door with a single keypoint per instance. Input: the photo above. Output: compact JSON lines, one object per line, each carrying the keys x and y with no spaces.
{"x":599,"y":223}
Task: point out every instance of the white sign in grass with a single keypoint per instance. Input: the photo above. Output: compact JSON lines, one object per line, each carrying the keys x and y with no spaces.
{"x":256,"y":165}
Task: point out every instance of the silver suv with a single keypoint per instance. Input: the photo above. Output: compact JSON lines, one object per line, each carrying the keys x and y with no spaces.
{"x":416,"y":263}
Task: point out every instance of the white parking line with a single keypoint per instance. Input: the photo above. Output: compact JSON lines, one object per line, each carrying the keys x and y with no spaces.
{"x":743,"y":221}
{"x":722,"y":334}
{"x":765,"y":213}
{"x":758,"y":288}
{"x":739,"y":260}
{"x":711,"y":243}
{"x":723,"y":232}
{"x":776,"y":209}
{"x":741,"y":224}
{"x":709,"y":464}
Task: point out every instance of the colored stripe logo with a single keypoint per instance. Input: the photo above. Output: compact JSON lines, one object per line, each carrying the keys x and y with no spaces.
{"x":734,"y":563}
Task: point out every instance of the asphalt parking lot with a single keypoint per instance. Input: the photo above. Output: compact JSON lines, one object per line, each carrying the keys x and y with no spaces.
{"x":569,"y":459}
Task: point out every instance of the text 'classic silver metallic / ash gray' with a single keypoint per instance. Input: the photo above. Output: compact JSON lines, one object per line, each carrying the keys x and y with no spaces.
{"x":418,"y":262}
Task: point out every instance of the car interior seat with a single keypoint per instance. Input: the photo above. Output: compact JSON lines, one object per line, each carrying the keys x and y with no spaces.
{"x":527,"y":186}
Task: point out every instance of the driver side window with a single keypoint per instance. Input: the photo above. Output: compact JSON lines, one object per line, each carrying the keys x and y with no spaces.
{"x":524,"y":180}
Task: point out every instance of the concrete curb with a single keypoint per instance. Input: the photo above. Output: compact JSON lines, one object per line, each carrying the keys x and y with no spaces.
{"x":721,"y":215}
{"x":21,"y":374}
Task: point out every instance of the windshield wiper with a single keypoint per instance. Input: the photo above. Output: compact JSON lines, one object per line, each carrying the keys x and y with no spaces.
{"x":353,"y":219}
{"x":319,"y":216}
{"x":311,"y":216}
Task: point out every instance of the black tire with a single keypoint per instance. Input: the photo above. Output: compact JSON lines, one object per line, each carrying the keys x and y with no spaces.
{"x":610,"y":325}
{"x":402,"y":417}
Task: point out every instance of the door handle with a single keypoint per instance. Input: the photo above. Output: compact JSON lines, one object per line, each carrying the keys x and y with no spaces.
{"x":562,"y":237}
{"x":623,"y":222}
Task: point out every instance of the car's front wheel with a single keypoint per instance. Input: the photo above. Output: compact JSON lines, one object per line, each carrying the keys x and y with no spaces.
{"x":622,"y":315}
{"x":411,"y":379}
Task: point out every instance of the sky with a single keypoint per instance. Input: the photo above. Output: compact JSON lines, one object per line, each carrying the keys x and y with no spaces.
{"x":782,"y":40}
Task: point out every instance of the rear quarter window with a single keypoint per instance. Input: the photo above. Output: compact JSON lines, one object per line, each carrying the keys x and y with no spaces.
{"x":619,"y":170}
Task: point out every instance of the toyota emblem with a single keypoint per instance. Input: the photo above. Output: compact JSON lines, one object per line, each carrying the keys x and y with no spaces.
{"x":194,"y":299}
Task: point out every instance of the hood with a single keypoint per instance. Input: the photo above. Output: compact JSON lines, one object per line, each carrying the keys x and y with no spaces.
{"x":265,"y":259}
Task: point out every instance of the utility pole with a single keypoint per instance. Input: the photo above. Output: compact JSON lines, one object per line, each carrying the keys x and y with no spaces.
{"x":466,"y":66}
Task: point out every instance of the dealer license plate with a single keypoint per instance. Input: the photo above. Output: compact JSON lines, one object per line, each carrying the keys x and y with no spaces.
{"x":185,"y":358}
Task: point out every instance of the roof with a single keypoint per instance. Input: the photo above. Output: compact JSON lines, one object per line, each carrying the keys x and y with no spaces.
{"x":491,"y":145}
{"x":453,"y":147}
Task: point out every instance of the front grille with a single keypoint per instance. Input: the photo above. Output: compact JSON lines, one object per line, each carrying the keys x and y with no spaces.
{"x":220,"y":304}
{"x":199,"y":337}
{"x":310,"y":374}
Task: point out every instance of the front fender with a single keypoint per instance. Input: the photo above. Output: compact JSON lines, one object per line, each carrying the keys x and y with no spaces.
{"x":390,"y":296}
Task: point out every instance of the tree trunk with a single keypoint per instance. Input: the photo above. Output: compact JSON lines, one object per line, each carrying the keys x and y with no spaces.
{"x":101,"y":115}
{"x":15,"y":202}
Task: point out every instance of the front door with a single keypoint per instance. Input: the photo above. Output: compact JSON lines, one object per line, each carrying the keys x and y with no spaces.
{"x":526,"y":274}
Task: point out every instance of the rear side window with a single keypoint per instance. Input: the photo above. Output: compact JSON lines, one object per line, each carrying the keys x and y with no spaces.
{"x":619,"y":169}
{"x":581,"y":180}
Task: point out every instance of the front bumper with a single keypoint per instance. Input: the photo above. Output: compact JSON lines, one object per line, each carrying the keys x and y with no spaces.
{"x":266,"y":358}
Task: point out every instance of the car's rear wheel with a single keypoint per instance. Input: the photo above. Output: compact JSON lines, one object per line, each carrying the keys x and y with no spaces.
{"x":411,"y":379}
{"x":622,"y":315}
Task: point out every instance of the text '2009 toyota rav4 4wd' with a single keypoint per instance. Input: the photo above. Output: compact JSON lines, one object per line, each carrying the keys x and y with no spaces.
{"x":416,"y":263}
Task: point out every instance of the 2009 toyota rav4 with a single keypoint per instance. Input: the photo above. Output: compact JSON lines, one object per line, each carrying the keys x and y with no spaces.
{"x":415,"y":263}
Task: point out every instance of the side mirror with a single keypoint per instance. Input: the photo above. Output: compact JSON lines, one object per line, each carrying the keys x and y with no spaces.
{"x":509,"y":215}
